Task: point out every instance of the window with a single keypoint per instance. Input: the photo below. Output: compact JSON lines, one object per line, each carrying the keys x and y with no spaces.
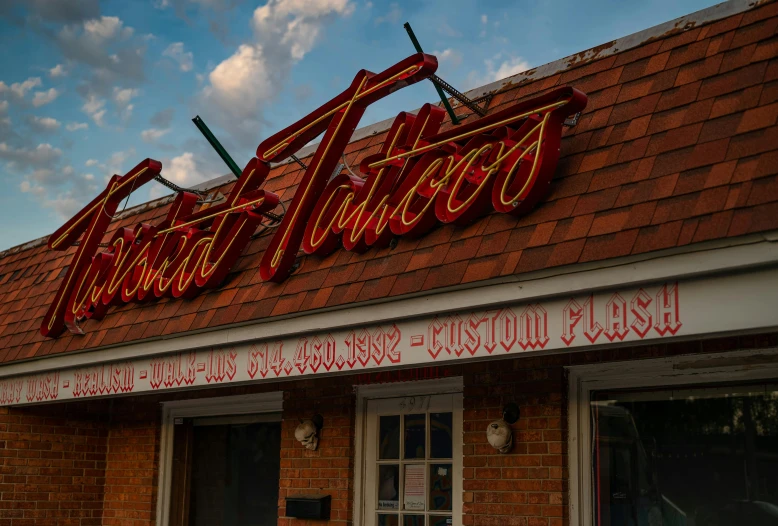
{"x":413,"y":460}
{"x":684,"y":440}
{"x":702,"y":456}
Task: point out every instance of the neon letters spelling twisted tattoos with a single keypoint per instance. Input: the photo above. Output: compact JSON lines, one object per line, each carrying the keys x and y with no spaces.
{"x":421,"y":176}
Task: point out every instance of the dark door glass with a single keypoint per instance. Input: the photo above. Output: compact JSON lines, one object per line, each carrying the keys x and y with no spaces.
{"x":235,"y":472}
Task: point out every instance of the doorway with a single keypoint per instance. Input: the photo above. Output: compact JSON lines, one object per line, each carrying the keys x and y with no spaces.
{"x":411,"y":454}
{"x":220,"y":461}
{"x":226,"y":471}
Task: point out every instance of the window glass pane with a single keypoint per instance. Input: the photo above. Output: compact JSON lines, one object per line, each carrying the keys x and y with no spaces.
{"x":415,"y":435}
{"x":692,"y":456}
{"x":413,"y":520}
{"x":389,"y":445}
{"x":440,"y":435}
{"x":437,"y":520}
{"x":388,"y":487}
{"x":388,"y":520}
{"x":441,"y":481}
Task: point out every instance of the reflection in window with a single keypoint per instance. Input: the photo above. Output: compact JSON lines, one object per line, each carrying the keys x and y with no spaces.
{"x":691,"y":457}
{"x":389,"y":445}
{"x":388,"y":487}
{"x":415,"y":435}
{"x":441,"y":425}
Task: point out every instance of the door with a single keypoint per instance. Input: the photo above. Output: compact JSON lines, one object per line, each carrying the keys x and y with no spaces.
{"x":226,"y":471}
{"x":413,"y":461}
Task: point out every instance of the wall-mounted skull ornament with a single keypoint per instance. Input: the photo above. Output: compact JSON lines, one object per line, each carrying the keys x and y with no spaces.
{"x":307,"y":433}
{"x":500,"y":436}
{"x":499,"y":433}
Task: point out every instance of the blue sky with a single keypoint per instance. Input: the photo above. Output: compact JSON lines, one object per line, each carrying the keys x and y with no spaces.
{"x":89,"y":88}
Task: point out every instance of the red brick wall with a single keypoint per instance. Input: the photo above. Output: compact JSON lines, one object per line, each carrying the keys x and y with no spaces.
{"x":330,"y":469}
{"x":132,"y":461}
{"x":52,"y":466}
{"x":524,"y":487}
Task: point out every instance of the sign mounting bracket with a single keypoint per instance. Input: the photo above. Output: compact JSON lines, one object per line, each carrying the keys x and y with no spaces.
{"x":442,"y":86}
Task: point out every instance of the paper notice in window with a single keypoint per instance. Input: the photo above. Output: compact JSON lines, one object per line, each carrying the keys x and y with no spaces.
{"x":413,"y":498}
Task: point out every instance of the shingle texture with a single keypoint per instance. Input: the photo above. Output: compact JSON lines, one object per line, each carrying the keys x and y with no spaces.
{"x":678,"y":145}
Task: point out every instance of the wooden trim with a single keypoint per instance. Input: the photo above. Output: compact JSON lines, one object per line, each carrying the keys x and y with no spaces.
{"x":181,"y":472}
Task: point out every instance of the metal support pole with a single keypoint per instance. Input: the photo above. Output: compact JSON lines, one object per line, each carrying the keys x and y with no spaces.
{"x":442,"y":95}
{"x":228,"y":160}
{"x":214,"y":142}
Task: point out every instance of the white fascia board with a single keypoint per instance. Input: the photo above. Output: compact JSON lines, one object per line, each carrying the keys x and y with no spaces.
{"x":704,"y":259}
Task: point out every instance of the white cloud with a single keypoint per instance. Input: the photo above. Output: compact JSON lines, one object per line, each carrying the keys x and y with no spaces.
{"x":511,"y":67}
{"x":58,"y":71}
{"x":113,"y":57}
{"x":484,"y":19}
{"x":44,"y":123}
{"x":42,"y":98}
{"x":122,"y":98}
{"x":95,"y":108}
{"x":182,"y":170}
{"x":20,"y":89}
{"x":42,"y":156}
{"x":449,"y":56}
{"x":3,"y":107}
{"x":64,"y":204}
{"x":75,"y":126}
{"x":177,"y":53}
{"x":392,"y":16}
{"x":108,"y":48}
{"x":117,"y":163}
{"x":106,"y":28}
{"x":42,"y":175}
{"x":152,"y":134}
{"x":241,"y":79}
{"x":240,"y":86}
{"x":89,"y":177}
{"x":91,"y":162}
{"x":496,"y":68}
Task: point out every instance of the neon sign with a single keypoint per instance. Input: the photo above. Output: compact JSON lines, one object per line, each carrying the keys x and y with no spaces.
{"x":504,"y":161}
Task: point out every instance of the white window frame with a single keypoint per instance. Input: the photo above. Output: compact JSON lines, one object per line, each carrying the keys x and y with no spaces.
{"x":735,"y":366}
{"x":204,"y":407}
{"x":365,"y":393}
